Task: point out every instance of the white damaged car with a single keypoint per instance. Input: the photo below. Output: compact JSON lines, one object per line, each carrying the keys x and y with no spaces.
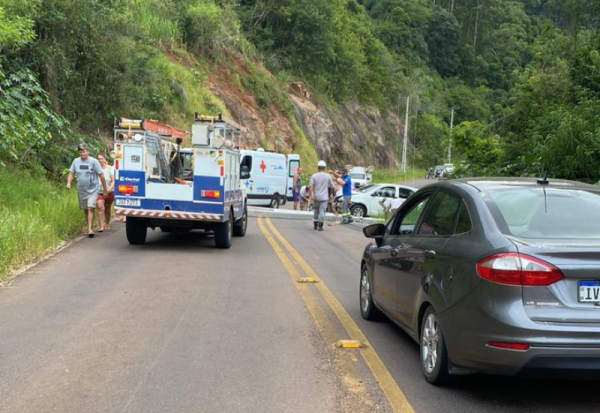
{"x":374,"y":200}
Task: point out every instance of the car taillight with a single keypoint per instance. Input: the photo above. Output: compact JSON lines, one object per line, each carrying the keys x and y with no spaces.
{"x":518,"y":269}
{"x":509,"y":346}
{"x":128,"y":189}
{"x":210,"y":194}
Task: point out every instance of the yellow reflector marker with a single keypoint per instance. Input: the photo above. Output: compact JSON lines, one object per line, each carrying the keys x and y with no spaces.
{"x":348,"y":344}
{"x":308,"y":280}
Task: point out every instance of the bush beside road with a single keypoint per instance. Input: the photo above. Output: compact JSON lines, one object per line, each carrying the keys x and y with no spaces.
{"x":36,"y":217}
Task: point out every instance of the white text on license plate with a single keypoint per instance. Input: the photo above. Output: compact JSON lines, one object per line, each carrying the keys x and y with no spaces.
{"x":589,"y":291}
{"x":128,"y":202}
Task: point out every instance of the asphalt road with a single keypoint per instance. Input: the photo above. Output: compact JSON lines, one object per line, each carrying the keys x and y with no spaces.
{"x":178,"y":326}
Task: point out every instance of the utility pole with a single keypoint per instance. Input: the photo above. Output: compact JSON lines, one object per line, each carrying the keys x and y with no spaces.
{"x":450,"y":141}
{"x":397,"y":140}
{"x":405,"y":145}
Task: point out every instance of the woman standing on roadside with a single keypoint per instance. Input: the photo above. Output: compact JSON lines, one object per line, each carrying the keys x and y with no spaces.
{"x":105,"y":201}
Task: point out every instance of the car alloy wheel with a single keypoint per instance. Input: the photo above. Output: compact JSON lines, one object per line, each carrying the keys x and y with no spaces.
{"x":434,"y":358}
{"x":429,"y":346}
{"x":365,"y":292}
{"x":358,"y":211}
{"x":367,"y":306}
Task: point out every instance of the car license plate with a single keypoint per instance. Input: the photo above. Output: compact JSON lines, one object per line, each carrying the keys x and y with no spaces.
{"x":128,"y":202}
{"x":589,"y":291}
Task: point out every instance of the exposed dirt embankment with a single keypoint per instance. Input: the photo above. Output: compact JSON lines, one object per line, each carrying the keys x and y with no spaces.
{"x":268,"y":127}
{"x":352,"y":133}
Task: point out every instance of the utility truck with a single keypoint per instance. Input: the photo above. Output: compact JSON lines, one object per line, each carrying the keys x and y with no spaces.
{"x":155,"y":189}
{"x":361,"y":176}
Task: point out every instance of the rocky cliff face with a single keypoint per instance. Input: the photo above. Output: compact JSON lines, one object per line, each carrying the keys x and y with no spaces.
{"x":350,"y":134}
{"x":357,"y":134}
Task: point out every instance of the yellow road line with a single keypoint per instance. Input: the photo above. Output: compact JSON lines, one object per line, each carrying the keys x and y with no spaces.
{"x":322,"y":319}
{"x":392,"y":391}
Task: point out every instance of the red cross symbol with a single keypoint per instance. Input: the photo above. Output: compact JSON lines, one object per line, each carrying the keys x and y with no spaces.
{"x":263,"y":166}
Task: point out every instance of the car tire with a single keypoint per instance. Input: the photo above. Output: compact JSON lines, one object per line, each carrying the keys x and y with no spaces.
{"x":239,"y":228}
{"x":275,"y":202}
{"x":368,"y":309}
{"x":136,"y":230}
{"x":434,"y":356}
{"x":358,"y":211}
{"x":224,"y":233}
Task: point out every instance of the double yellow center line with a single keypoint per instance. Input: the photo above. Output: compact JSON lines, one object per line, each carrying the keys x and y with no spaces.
{"x":284,"y":251}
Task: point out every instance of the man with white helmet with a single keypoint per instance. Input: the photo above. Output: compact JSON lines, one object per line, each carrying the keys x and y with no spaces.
{"x":320,"y":185}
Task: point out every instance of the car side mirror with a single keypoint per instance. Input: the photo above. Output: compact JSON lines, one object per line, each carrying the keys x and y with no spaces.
{"x":244,"y":173}
{"x":376,"y":232}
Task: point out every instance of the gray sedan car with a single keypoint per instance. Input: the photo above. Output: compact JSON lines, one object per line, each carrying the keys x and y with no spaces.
{"x":498,"y":276}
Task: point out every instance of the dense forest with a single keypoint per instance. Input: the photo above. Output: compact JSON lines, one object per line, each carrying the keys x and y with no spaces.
{"x":522,"y":77}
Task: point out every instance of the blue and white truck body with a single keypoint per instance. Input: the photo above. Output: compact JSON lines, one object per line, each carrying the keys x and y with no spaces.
{"x":152,"y":189}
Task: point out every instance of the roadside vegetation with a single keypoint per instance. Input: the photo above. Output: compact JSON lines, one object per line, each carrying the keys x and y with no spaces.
{"x":36,"y":216}
{"x":396,"y":176}
{"x":520,"y":76}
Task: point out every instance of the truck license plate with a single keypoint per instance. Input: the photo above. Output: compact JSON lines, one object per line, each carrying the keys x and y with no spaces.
{"x":128,"y":202}
{"x":589,"y":291}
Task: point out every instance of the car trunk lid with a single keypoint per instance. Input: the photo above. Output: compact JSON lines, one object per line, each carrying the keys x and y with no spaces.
{"x":576,"y":298}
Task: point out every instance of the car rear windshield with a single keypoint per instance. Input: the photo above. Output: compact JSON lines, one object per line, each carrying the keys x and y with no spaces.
{"x":546,"y":212}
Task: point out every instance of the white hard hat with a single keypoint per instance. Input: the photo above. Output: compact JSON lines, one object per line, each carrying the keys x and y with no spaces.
{"x":322,"y":164}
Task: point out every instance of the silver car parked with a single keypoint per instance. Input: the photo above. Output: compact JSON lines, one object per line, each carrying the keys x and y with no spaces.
{"x":498,"y":276}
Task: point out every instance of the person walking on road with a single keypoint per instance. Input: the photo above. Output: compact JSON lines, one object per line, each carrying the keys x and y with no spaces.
{"x":89,"y":175}
{"x":346,"y":181}
{"x":320,"y":185}
{"x":296,"y":188}
{"x":105,"y":200}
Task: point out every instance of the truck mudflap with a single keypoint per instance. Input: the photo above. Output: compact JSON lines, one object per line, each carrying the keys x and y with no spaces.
{"x":192,"y":216}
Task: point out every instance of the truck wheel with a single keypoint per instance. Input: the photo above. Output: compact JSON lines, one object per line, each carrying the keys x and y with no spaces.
{"x":239,"y":228}
{"x":224,"y":232}
{"x":136,"y":230}
{"x":275,"y":202}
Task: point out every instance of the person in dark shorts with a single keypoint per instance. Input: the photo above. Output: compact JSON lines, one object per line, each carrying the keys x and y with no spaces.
{"x":296,"y":188}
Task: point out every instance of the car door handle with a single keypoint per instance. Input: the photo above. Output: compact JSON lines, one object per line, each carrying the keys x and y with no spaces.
{"x":393,"y":252}
{"x":429,"y":254}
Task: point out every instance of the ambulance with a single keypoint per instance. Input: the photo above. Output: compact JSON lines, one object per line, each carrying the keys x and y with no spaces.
{"x":270,"y":176}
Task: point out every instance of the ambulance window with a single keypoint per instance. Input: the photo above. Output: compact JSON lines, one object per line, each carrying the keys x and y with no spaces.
{"x":294,"y":165}
{"x":247,"y":161}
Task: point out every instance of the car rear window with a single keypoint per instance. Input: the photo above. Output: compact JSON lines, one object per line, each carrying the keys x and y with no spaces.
{"x":546,"y":212}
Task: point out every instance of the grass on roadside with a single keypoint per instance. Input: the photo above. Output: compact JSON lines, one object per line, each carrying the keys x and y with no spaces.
{"x":36,"y":216}
{"x":396,"y":175}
